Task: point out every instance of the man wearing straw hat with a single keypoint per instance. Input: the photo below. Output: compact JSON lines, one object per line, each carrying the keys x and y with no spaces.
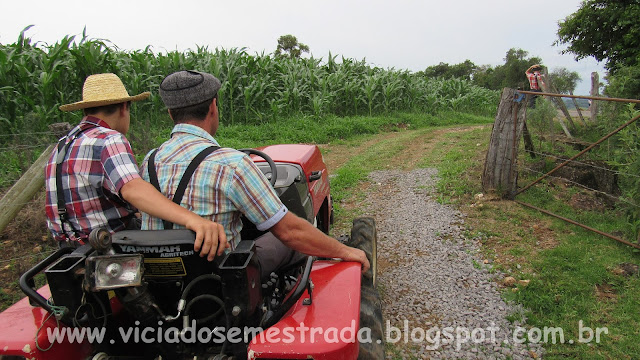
{"x":92,"y":178}
{"x":226,"y":183}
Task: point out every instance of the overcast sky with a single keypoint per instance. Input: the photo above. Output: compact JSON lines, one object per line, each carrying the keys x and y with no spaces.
{"x":400,"y":34}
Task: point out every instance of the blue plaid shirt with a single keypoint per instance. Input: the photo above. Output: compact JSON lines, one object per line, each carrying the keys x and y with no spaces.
{"x":226,"y":185}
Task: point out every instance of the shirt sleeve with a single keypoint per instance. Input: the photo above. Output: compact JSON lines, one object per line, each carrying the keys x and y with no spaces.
{"x":118,"y":163}
{"x":252,"y":194}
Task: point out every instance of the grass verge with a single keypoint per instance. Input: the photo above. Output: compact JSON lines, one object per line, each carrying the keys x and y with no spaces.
{"x":578,"y":281}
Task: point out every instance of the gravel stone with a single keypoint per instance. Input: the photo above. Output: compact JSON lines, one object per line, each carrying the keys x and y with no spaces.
{"x":434,"y":281}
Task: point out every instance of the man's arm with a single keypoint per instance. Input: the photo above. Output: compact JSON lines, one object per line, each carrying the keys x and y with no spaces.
{"x":528,"y":71}
{"x":210,"y":236}
{"x":541,"y":82}
{"x":302,"y":236}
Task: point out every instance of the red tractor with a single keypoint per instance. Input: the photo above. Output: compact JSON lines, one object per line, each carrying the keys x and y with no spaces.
{"x":147,"y":294}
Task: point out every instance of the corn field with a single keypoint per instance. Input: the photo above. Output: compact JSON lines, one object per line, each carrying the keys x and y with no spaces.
{"x":35,"y":78}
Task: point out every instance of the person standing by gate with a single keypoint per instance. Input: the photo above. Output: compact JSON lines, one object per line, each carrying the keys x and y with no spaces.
{"x":536,"y":82}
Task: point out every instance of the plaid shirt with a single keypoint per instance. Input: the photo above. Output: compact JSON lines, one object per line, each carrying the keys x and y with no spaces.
{"x":226,"y":185}
{"x":533,"y":80}
{"x":97,"y":164}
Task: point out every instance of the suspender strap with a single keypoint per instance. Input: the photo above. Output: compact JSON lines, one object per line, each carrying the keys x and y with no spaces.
{"x":186,"y":177}
{"x":153,"y":174}
{"x":63,"y":148}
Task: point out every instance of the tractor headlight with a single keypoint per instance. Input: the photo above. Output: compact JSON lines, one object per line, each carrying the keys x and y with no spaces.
{"x":114,"y":271}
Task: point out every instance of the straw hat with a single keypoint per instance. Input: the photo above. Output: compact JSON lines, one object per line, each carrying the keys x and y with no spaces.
{"x":103,"y":89}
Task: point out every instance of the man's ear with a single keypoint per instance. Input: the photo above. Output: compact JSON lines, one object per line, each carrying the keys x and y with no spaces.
{"x":169,"y":112}
{"x":123,"y":109}
{"x":213,"y":108}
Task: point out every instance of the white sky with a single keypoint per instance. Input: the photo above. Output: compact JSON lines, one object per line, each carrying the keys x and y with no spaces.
{"x":400,"y":34}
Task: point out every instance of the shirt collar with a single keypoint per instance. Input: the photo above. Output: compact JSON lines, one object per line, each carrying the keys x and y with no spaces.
{"x":95,"y":121}
{"x":193,"y":130}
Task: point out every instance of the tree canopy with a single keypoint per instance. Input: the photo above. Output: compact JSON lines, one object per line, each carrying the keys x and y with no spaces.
{"x":563,"y":80}
{"x":288,"y":46}
{"x":511,"y":74}
{"x":443,"y":70}
{"x":608,"y":30}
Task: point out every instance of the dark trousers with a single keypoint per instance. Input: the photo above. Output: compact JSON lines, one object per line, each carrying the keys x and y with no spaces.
{"x":532,"y":99}
{"x":273,"y":255}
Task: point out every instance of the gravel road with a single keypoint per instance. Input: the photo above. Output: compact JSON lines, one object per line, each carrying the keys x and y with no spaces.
{"x":437,"y":295}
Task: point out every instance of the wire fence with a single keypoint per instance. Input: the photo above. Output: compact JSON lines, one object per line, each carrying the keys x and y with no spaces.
{"x":587,"y":173}
{"x":21,"y":241}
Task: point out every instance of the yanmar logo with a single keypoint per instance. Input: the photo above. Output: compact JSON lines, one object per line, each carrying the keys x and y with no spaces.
{"x":164,"y":251}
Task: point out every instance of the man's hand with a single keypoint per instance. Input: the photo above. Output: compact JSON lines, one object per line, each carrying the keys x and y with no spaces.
{"x":353,"y":254}
{"x":210,"y":237}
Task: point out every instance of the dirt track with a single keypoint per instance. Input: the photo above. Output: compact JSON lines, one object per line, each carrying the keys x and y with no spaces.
{"x":429,"y":273}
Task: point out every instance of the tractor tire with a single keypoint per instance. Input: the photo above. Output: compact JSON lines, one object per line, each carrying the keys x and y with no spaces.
{"x":364,"y":237}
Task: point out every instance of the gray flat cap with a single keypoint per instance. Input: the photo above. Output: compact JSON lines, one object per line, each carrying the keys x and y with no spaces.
{"x":188,"y":87}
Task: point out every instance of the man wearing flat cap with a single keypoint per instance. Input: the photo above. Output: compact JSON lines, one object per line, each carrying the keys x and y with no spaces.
{"x":92,"y":178}
{"x":227,"y":184}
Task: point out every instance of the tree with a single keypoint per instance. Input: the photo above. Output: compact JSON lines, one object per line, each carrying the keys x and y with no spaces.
{"x":443,"y":70}
{"x":510,"y":75}
{"x":563,"y":80}
{"x":608,"y":30}
{"x":515,"y":65}
{"x":436,"y":71}
{"x":625,"y":83}
{"x":288,"y":46}
{"x":484,"y":75}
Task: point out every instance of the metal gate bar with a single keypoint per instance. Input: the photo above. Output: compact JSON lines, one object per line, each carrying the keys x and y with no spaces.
{"x":580,"y":97}
{"x":634,"y":119}
{"x":580,"y":153}
{"x":579,"y":224}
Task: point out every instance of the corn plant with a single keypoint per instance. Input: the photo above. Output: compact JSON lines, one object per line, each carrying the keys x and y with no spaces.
{"x":35,"y":78}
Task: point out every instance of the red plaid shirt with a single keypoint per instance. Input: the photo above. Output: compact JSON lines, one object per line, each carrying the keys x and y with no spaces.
{"x":534,"y":80}
{"x":97,"y":164}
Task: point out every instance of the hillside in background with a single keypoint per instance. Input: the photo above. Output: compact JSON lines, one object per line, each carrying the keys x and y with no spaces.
{"x":583,"y":103}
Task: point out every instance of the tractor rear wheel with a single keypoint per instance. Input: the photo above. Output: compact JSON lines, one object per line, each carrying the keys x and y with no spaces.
{"x":364,"y":237}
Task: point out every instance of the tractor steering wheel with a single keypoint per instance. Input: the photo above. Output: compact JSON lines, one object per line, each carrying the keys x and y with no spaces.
{"x":272,"y":165}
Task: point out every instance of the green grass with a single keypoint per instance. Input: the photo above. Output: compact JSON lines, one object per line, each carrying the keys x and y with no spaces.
{"x":344,"y":184}
{"x":346,"y":180}
{"x":572,"y":277}
{"x":563,"y":292}
{"x":564,"y":278}
{"x":455,"y":157}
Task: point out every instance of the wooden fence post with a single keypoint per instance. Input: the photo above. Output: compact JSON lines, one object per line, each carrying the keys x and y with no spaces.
{"x":595,"y":86}
{"x":30,"y":182}
{"x":24,"y":189}
{"x":575,"y":103}
{"x":500,"y":164}
{"x":548,"y":87}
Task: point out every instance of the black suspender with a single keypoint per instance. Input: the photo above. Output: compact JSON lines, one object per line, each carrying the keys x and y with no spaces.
{"x":186,"y":177}
{"x":63,"y":148}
